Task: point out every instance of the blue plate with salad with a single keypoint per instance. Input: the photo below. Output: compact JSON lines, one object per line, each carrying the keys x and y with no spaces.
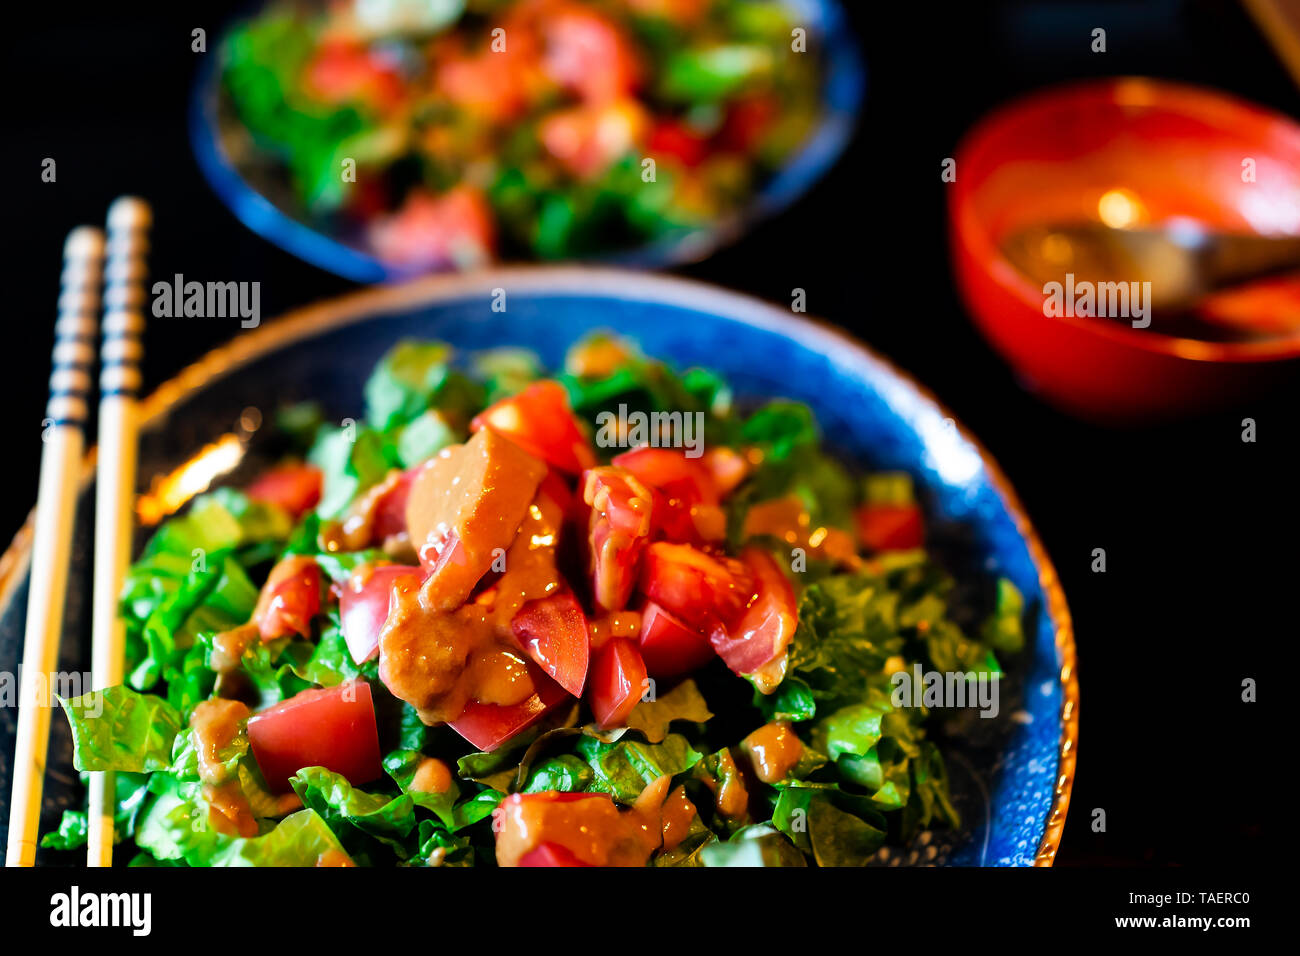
{"x":564,"y":567}
{"x":386,"y":140}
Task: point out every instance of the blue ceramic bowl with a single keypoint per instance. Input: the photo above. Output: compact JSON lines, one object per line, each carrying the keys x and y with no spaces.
{"x":843,"y":88}
{"x":1011,"y":775}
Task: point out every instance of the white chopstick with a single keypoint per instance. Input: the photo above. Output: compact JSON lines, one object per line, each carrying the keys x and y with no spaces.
{"x":64,"y":438}
{"x":119,"y":384}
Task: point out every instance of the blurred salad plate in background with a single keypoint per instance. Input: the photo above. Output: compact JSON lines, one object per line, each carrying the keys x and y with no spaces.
{"x":383,"y":140}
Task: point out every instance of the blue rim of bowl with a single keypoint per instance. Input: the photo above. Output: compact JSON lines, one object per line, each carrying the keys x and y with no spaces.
{"x":817,"y":335}
{"x":843,"y":91}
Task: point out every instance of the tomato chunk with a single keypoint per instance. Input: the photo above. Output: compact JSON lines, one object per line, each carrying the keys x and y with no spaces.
{"x":588,"y":139}
{"x":487,"y":726}
{"x":333,"y":727}
{"x":540,"y":421}
{"x":890,"y":527}
{"x":677,"y":141}
{"x":686,"y":506}
{"x":622,"y":510}
{"x":363,"y":606}
{"x":289,"y":599}
{"x":553,"y":630}
{"x":588,"y":54}
{"x":455,"y":228}
{"x":727,"y":468}
{"x":295,"y":488}
{"x":390,"y":509}
{"x":705,"y":591}
{"x":755,"y":646}
{"x":550,"y":854}
{"x":343,"y":71}
{"x":668,"y":647}
{"x":617,"y":682}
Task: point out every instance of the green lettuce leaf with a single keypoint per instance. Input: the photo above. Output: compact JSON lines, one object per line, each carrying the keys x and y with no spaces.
{"x":120,"y":729}
{"x":382,"y":817}
{"x":1004,"y":629}
{"x":683,"y":702}
{"x":351,"y":459}
{"x":402,"y":765}
{"x":757,"y":845}
{"x":626,"y":767}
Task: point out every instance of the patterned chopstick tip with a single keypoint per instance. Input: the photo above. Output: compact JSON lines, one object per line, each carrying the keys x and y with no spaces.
{"x":74,"y":330}
{"x":128,"y":223}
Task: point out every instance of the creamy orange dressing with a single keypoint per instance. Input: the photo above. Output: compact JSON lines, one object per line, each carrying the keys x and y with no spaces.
{"x":499,"y":676}
{"x":592,"y":828}
{"x":438,"y":660}
{"x":334,"y":858}
{"x":730,"y":796}
{"x":431,"y":776}
{"x":678,"y":814}
{"x":774,"y":750}
{"x":423,"y":653}
{"x":465,"y":504}
{"x":788,"y":520}
{"x":597,"y":358}
{"x":228,"y":809}
{"x":530,"y":569}
{"x":618,"y":624}
{"x":356,"y":530}
{"x":228,"y":647}
{"x":287,"y":803}
{"x":214,"y":726}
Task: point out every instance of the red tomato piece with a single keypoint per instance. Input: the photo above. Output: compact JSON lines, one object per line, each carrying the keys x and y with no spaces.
{"x":756,"y":644}
{"x":487,"y":726}
{"x":888,"y":527}
{"x":333,"y":727}
{"x":589,"y":54}
{"x":295,"y":488}
{"x":455,"y":228}
{"x":747,"y":122}
{"x":550,"y":854}
{"x":668,"y":469}
{"x":346,"y":72}
{"x":705,"y":591}
{"x":553,"y":631}
{"x":390,"y":509}
{"x":677,"y":141}
{"x":540,"y":421}
{"x":289,"y":599}
{"x":686,"y":504}
{"x":668,"y":647}
{"x":617,"y":681}
{"x":726,"y":467}
{"x":622,"y":512}
{"x":588,"y":139}
{"x":364,"y":604}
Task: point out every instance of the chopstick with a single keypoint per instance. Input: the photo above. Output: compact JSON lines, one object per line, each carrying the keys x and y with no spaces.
{"x":119,"y":383}
{"x":64,"y":438}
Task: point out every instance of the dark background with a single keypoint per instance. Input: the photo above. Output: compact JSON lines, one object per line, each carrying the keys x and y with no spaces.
{"x":1189,"y":515}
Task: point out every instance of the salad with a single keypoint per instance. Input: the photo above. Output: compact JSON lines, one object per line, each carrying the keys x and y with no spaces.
{"x":448,"y":133}
{"x":526,"y":621}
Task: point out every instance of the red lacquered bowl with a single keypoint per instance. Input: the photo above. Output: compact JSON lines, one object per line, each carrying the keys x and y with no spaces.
{"x":1179,"y":150}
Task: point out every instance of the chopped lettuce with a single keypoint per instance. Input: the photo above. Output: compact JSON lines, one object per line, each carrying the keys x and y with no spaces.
{"x":120,"y":729}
